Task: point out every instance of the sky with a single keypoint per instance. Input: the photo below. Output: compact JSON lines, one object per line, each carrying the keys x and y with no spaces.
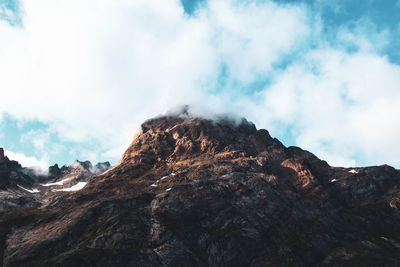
{"x":77,"y":78}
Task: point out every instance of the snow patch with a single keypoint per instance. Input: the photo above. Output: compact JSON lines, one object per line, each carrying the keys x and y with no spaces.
{"x":353,"y":171}
{"x":170,"y":129}
{"x":172,"y":174}
{"x":168,"y":189}
{"x":52,"y":184}
{"x":59,"y":182}
{"x":154,"y":185}
{"x":34,"y":190}
{"x":333,"y":180}
{"x":76,"y":187}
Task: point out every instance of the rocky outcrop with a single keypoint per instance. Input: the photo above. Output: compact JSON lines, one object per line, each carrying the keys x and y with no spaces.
{"x":195,"y":192}
{"x":22,"y":187}
{"x":2,"y":157}
{"x":12,"y":179}
{"x":79,"y":171}
{"x":12,"y":174}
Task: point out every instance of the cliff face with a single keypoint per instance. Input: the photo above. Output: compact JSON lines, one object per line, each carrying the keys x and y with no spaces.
{"x":12,"y":173}
{"x":12,"y":179}
{"x":195,"y":192}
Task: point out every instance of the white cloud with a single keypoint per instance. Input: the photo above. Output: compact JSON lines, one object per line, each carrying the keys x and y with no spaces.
{"x":347,"y":105}
{"x":40,"y":140}
{"x":94,"y":70}
{"x":27,"y":161}
{"x":97,"y":69}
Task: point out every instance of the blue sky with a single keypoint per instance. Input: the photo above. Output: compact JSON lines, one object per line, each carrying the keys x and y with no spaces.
{"x":323,"y":75}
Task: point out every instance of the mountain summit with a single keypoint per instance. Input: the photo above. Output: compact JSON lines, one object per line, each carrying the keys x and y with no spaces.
{"x":198,"y":192}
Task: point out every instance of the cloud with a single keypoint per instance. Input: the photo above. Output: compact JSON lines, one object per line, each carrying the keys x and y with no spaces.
{"x":100,"y":74}
{"x":94,"y":70}
{"x":340,"y":104}
{"x":26,"y":161}
{"x":40,"y":140}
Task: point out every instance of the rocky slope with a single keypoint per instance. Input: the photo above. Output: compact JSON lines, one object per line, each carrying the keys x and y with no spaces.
{"x":195,"y":192}
{"x":24,"y":187}
{"x":68,"y":176}
{"x":12,"y":179}
{"x":12,"y":173}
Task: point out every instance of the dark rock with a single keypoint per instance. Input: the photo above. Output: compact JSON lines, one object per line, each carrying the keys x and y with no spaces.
{"x":2,"y":158}
{"x":12,"y":174}
{"x":54,"y":171}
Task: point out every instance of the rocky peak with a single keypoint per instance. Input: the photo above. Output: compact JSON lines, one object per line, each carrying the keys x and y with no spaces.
{"x":12,"y":173}
{"x":101,"y":167}
{"x":1,"y":154}
{"x":54,"y":171}
{"x":79,"y":167}
{"x":86,"y":165}
{"x":173,"y":138}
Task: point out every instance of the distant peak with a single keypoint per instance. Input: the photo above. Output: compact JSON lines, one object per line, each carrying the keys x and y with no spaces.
{"x":4,"y":158}
{"x":82,"y":164}
{"x":103,"y":164}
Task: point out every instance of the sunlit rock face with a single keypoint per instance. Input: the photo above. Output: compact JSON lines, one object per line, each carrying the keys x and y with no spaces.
{"x":195,"y":192}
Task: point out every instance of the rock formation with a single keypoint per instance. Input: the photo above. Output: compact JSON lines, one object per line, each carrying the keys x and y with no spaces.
{"x":12,"y":173}
{"x":1,"y":154}
{"x":196,"y":192}
{"x":79,"y":171}
{"x":24,"y":187}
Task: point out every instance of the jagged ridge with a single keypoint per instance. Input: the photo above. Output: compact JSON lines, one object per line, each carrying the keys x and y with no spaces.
{"x":25,"y":187}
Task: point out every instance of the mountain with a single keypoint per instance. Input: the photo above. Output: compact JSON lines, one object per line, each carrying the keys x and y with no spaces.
{"x":196,"y":192}
{"x":12,"y":173}
{"x":24,"y":187}
{"x":13,"y":177}
{"x":79,"y":171}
